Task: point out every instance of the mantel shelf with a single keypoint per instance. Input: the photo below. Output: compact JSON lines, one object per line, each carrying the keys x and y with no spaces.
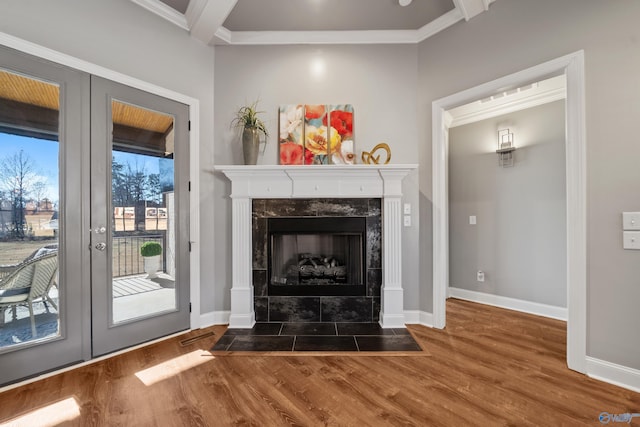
{"x":279,"y":181}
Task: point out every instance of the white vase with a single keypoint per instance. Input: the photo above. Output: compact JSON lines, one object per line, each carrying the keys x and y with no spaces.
{"x":151,"y":266}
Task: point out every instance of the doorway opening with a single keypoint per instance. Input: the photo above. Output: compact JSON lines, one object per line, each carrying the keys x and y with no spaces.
{"x":572,"y":66}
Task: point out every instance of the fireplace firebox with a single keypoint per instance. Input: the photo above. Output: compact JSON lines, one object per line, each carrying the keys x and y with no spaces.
{"x":317,"y":256}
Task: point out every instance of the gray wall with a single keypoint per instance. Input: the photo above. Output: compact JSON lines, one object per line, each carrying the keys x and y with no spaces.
{"x":379,"y":81}
{"x":517,"y":34}
{"x":519,"y":240}
{"x":121,"y":36}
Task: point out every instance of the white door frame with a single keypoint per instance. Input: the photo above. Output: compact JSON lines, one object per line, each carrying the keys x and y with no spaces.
{"x":194,"y":142}
{"x":572,"y":66}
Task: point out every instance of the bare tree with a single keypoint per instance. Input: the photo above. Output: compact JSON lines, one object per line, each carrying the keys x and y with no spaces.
{"x":39,"y":189}
{"x":17,"y":177}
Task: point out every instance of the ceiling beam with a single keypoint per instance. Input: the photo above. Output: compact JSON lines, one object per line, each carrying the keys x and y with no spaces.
{"x":205,"y":18}
{"x":211,"y":16}
{"x":471,"y":8}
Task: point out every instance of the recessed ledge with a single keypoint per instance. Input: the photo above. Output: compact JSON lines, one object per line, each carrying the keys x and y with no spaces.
{"x":282,"y":181}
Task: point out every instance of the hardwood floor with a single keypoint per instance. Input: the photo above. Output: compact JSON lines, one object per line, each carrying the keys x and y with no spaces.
{"x":489,"y":367}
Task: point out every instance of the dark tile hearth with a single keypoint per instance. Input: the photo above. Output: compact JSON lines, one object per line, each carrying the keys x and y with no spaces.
{"x":316,"y":336}
{"x":332,"y":305}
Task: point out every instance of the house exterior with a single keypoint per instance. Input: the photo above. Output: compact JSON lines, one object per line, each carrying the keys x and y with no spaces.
{"x":392,"y":87}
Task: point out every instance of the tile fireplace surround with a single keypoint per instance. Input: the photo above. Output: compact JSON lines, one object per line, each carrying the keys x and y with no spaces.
{"x":319,"y":182}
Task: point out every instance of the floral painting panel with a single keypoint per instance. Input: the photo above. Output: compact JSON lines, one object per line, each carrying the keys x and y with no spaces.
{"x":317,"y":143}
{"x":290,"y":138}
{"x":340,"y":125}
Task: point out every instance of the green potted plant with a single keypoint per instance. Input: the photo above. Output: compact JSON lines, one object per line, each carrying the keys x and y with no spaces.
{"x":252,"y":126}
{"x":151,"y":252}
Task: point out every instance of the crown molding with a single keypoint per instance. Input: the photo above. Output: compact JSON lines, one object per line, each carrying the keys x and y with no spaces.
{"x":546,"y":91}
{"x":164,"y":11}
{"x":205,"y":19}
{"x":315,"y":37}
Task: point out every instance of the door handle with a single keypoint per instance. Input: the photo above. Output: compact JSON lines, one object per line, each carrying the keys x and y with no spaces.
{"x":101,"y":246}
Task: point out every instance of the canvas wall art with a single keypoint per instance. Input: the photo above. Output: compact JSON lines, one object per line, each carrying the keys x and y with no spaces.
{"x":316,"y":134}
{"x":291,"y":135}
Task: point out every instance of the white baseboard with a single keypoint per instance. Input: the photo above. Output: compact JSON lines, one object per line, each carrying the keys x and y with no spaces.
{"x":559,"y":313}
{"x":612,"y":373}
{"x":214,"y":318}
{"x":418,"y":317}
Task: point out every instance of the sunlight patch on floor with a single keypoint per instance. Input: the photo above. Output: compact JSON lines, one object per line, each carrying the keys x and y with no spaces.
{"x":173,"y":367}
{"x":51,"y":415}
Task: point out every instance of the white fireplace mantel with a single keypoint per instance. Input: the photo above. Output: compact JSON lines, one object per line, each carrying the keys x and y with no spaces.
{"x":316,"y":181}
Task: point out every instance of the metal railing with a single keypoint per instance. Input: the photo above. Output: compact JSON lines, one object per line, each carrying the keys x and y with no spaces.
{"x":127,"y":260}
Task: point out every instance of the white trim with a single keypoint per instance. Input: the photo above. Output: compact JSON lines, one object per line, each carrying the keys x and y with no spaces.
{"x":319,"y":37}
{"x":215,"y":318}
{"x":340,"y":37}
{"x":194,"y":139}
{"x":612,"y":373}
{"x":471,"y":8}
{"x":549,"y":90}
{"x":194,"y":11}
{"x":417,"y":317}
{"x":572,"y":66}
{"x":544,"y":310}
{"x":315,"y":181}
{"x":441,"y":23}
{"x":208,"y":18}
{"x":164,"y":11}
{"x":204,"y":18}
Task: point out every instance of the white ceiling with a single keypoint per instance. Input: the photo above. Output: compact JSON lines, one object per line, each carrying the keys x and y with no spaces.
{"x":313,"y":21}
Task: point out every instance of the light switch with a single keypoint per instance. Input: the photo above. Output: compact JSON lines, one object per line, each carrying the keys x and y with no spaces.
{"x":407,"y":221}
{"x":407,"y":208}
{"x":472,"y":220}
{"x":631,"y":220}
{"x":631,"y":239}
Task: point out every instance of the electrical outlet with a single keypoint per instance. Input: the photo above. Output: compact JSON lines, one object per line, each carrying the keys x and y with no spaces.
{"x":480,"y":276}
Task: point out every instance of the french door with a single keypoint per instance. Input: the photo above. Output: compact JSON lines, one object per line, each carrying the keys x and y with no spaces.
{"x":43,"y":317}
{"x":93,"y":175}
{"x":139,"y":207}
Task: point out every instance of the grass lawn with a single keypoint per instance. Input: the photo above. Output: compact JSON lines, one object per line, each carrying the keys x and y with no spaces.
{"x":14,"y":252}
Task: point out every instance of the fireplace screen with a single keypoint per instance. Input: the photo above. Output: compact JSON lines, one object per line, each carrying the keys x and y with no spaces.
{"x":316,"y":256}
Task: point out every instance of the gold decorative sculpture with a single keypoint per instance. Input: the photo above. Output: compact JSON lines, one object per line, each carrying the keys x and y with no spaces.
{"x":370,"y":158}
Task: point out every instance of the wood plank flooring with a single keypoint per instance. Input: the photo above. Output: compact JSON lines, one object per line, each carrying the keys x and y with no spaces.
{"x":489,"y":367}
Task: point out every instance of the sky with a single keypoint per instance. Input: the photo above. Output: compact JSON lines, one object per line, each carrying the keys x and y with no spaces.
{"x":44,"y":155}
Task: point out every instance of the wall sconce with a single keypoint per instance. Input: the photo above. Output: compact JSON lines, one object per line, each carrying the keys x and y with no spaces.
{"x":505,"y":148}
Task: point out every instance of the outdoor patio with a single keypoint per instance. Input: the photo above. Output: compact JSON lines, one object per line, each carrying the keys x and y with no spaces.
{"x":133,"y":297}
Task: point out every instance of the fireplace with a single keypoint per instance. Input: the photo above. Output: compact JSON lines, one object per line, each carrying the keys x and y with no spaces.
{"x":317,"y":260}
{"x":264,"y":191}
{"x":316,"y":256}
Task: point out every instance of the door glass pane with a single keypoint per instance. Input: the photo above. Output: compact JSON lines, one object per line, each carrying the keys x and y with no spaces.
{"x":143,"y":230}
{"x":29,"y":200}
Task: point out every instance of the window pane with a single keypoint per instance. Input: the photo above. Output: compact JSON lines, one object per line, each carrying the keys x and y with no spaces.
{"x":142,"y":199}
{"x":29,"y":200}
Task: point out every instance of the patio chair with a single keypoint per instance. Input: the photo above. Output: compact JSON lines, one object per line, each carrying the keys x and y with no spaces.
{"x":30,"y":282}
{"x":6,"y":269}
